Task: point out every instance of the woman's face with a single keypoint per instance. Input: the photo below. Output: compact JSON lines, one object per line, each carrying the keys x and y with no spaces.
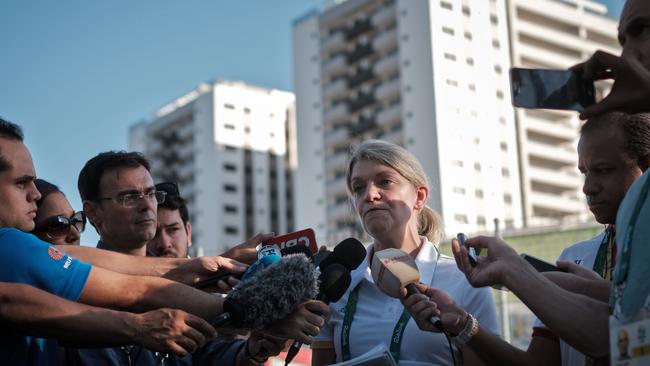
{"x":385,"y":201}
{"x":53,"y":205}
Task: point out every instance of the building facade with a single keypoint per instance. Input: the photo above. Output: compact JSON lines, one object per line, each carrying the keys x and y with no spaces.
{"x":428,"y":75}
{"x":231,"y":149}
{"x":552,"y":34}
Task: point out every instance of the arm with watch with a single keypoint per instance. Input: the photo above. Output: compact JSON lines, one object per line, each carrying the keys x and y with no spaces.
{"x":478,"y":345}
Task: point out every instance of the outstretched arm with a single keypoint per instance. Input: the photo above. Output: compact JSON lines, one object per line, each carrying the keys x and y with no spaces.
{"x":38,"y":313}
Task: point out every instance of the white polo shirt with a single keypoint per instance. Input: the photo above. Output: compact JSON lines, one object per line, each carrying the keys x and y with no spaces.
{"x":377,"y":314}
{"x":583,"y":253}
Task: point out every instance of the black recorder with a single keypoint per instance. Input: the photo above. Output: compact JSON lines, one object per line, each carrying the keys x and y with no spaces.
{"x":540,"y":265}
{"x":472,"y":253}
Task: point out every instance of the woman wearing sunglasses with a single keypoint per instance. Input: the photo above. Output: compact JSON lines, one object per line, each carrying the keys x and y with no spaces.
{"x":56,"y":222}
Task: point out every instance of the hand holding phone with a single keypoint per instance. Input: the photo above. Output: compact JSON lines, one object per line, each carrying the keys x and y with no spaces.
{"x":540,"y":265}
{"x":551,"y":89}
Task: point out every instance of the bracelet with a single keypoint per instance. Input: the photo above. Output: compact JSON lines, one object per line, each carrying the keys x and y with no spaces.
{"x":470,"y":330}
{"x":247,"y":353}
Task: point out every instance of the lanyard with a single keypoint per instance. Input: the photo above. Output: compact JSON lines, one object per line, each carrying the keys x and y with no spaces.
{"x":604,"y":258}
{"x":351,"y":308}
{"x":398,"y":331}
{"x":623,"y":268}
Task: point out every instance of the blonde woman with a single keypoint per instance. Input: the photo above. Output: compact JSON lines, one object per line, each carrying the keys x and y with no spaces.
{"x":389,"y":190}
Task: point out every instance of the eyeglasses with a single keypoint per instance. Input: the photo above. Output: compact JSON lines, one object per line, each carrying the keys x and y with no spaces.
{"x":58,"y":226}
{"x":131,"y":199}
{"x":171,"y":188}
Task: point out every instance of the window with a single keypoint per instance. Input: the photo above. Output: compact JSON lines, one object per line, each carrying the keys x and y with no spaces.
{"x":230,"y":167}
{"x":458,"y":163}
{"x":450,"y":56}
{"x":231,"y":230}
{"x":500,"y":94}
{"x":505,"y":172}
{"x":446,"y":5}
{"x":507,"y":198}
{"x":468,"y":35}
{"x":493,"y":19}
{"x":229,"y":106}
{"x":470,"y":61}
{"x":230,"y":188}
{"x":497,"y":69}
{"x":472,"y":87}
{"x":229,"y":126}
{"x":461,"y":219}
{"x":452,"y":82}
{"x":466,"y":10}
{"x":504,"y":146}
{"x":478,"y":193}
{"x":230,"y":209}
{"x":480,"y":220}
{"x":477,"y":167}
{"x":459,"y":190}
{"x":448,"y":30}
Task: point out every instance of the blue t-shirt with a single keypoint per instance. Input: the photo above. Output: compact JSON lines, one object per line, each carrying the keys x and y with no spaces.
{"x":26,"y":259}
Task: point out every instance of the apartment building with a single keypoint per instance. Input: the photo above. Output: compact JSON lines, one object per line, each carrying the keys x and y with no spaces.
{"x":230,"y":147}
{"x":553,"y":34}
{"x":428,"y":75}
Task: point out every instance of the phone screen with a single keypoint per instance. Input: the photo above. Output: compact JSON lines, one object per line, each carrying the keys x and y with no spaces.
{"x":550,"y":89}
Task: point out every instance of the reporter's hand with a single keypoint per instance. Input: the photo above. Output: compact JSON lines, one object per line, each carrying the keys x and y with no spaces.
{"x":169,"y":330}
{"x":265,"y":346}
{"x":578,"y":270}
{"x":246,"y":252}
{"x":491,"y":269}
{"x":198,"y":269}
{"x":303,"y":323}
{"x":631,"y":90}
{"x":431,"y":301}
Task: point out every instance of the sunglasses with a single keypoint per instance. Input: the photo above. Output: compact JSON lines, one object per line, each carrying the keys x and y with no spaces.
{"x":170,"y":188}
{"x":58,"y":226}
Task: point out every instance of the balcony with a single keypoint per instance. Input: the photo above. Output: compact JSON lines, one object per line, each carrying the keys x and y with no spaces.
{"x":334,"y":65}
{"x":558,"y":130}
{"x":385,"y":41}
{"x":384,"y":16}
{"x":335,"y":113}
{"x":359,"y":27}
{"x":334,"y":43}
{"x":555,"y":153}
{"x":337,"y":161}
{"x":388,"y":89}
{"x":389,"y":115}
{"x":335,"y":187}
{"x":341,"y":211}
{"x":334,"y":89}
{"x":336,"y":137}
{"x":361,"y":51}
{"x":365,"y":124}
{"x":560,"y":205}
{"x":360,"y":77}
{"x":562,"y":179}
{"x":362,"y":100}
{"x":387,"y":65}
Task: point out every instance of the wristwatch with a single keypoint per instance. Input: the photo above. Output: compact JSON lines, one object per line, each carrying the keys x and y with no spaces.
{"x":470,"y":330}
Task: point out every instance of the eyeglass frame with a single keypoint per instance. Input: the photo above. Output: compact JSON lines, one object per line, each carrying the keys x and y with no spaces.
{"x":45,"y":226}
{"x":151,"y":194}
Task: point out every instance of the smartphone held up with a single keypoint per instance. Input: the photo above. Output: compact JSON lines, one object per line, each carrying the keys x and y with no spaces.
{"x":550,"y":89}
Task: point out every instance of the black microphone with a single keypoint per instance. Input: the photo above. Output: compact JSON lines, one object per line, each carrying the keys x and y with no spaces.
{"x":350,"y":253}
{"x":270,"y":294}
{"x":334,"y":281}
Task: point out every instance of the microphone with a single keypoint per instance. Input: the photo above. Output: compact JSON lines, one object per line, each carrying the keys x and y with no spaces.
{"x":266,"y":256}
{"x":297,"y":249}
{"x":392,"y":270}
{"x":349,"y":253}
{"x":270,"y":294}
{"x":334,"y":281}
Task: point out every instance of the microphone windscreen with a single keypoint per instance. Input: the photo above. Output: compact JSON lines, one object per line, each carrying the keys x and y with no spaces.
{"x":349,"y":253}
{"x":272,"y":293}
{"x":392,"y":270}
{"x":334,"y":281}
{"x":297,"y":249}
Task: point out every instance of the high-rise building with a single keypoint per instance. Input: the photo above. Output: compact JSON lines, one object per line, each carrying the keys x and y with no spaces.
{"x":429,"y":75}
{"x":231,"y":149}
{"x":553,"y":34}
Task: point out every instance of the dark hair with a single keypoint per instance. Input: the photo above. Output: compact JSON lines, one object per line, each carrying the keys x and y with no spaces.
{"x":92,"y":172}
{"x":45,"y":188}
{"x":9,"y":131}
{"x":174,"y":202}
{"x":636,"y":132}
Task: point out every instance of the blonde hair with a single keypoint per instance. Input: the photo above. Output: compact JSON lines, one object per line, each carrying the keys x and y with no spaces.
{"x":408,"y":166}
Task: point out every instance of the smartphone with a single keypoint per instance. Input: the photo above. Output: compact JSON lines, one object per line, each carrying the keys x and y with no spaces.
{"x":540,"y":265}
{"x":550,"y":89}
{"x":472,"y":254}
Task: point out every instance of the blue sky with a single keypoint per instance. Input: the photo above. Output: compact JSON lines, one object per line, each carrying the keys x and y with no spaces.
{"x":76,"y":74}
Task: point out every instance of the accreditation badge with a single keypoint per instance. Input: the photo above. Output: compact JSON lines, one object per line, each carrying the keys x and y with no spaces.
{"x":629,"y":343}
